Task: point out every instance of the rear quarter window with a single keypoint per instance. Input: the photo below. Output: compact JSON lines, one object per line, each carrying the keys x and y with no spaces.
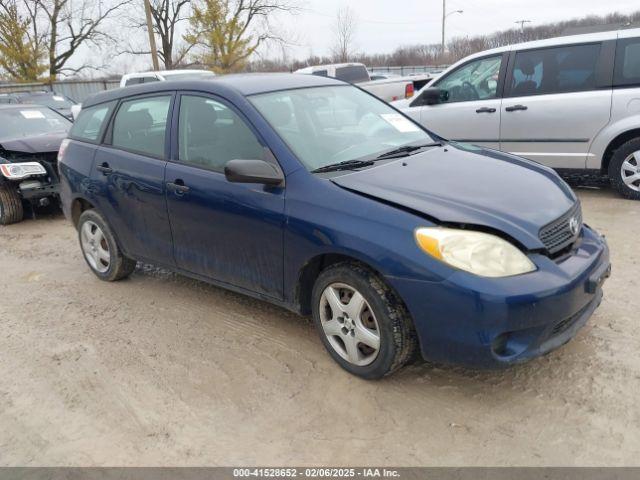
{"x":627,"y":65}
{"x":90,"y":122}
{"x":352,"y":74}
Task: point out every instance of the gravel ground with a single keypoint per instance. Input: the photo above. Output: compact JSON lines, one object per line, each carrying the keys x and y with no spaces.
{"x":164,"y":370}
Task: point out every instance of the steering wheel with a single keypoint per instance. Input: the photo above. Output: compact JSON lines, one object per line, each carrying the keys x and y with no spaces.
{"x":469,"y":92}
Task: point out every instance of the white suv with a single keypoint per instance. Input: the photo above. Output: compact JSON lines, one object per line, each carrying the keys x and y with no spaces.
{"x":164,"y":75}
{"x":571,"y":103}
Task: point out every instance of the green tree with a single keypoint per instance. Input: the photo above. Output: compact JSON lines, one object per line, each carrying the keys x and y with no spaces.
{"x":230,"y":31}
{"x":21,"y":55}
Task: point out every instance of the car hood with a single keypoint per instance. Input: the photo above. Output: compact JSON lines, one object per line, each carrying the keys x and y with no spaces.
{"x":47,"y":143}
{"x":462,"y":184}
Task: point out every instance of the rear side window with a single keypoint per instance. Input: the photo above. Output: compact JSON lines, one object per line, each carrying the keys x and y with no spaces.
{"x":210,"y":134}
{"x":140,"y":125}
{"x":90,"y":121}
{"x":555,"y":70}
{"x":133,"y":81}
{"x":627,"y":67}
{"x":352,"y":74}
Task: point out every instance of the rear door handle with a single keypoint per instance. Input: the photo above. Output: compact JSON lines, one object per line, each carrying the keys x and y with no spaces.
{"x":104,"y":168}
{"x":486,"y":110}
{"x":178,"y":187}
{"x":513,"y":108}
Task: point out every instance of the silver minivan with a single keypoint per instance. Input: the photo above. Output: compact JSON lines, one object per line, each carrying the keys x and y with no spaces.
{"x":571,"y":103}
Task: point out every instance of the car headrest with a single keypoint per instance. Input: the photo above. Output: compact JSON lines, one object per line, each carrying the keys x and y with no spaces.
{"x":134,"y":121}
{"x":526,"y":66}
{"x":202,"y":114}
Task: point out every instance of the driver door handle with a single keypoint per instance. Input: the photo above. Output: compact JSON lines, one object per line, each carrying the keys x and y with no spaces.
{"x":486,"y":110}
{"x":179,"y":188}
{"x":513,"y":108}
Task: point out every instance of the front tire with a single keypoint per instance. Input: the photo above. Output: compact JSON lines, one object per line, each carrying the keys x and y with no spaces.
{"x":624,"y":169}
{"x":100,"y":249}
{"x":363,"y":324}
{"x":11,"y":210}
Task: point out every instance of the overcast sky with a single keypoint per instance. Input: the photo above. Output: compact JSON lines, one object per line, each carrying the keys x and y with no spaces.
{"x":383,"y":25}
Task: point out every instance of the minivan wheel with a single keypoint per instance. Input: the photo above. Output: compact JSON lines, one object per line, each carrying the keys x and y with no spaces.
{"x":364,"y":326}
{"x":624,"y":169}
{"x":11,"y":210}
{"x":100,"y":250}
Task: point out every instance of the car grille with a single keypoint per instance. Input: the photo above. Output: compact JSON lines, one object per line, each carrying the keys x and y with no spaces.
{"x":557,"y":235}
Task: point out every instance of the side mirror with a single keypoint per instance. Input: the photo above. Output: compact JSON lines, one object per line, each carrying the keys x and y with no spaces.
{"x":253,"y":171}
{"x":432,"y":96}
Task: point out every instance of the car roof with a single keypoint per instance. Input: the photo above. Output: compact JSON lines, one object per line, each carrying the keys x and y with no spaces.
{"x":239,"y":84}
{"x":556,"y":41}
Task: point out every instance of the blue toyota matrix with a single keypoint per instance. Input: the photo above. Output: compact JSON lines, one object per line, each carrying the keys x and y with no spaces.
{"x":312,"y":194}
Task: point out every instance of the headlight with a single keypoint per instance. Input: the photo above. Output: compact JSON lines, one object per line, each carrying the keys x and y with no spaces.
{"x":18,"y":171}
{"x":476,"y":252}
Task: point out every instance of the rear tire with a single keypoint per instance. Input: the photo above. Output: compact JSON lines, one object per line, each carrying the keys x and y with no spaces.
{"x":624,"y":169}
{"x":11,"y":210}
{"x":100,"y":249}
{"x":365,"y":326}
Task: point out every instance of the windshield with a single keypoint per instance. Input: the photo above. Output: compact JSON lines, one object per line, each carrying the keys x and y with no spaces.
{"x":326,"y":125}
{"x":24,"y":122}
{"x":53,"y":101}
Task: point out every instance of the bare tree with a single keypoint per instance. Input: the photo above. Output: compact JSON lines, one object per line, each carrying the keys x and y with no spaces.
{"x":167,"y":16}
{"x":345,"y":32}
{"x":66,"y":25}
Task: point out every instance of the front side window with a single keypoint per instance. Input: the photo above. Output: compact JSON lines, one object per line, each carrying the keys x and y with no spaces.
{"x":627,"y":67}
{"x":326,"y":125}
{"x":210,"y":134}
{"x":140,"y":125}
{"x":89,"y":122}
{"x":477,"y":80}
{"x":555,"y":70}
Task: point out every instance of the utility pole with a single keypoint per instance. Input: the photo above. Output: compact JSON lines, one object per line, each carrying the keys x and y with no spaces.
{"x":444,"y":17}
{"x":444,"y":10}
{"x":522,"y":22}
{"x":152,"y":38}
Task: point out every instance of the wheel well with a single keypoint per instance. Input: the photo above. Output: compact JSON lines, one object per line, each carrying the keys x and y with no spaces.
{"x":310,"y":272}
{"x":614,"y":144}
{"x":79,"y":205}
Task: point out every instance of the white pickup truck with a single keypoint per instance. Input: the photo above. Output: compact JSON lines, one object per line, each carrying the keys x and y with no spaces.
{"x":389,"y":90}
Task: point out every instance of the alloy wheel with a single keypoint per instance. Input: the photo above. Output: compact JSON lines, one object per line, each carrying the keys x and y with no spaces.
{"x":349,"y":324}
{"x":630,"y":171}
{"x":95,"y":246}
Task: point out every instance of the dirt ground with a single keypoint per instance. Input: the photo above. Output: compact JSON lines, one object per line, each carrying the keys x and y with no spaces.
{"x":164,"y":370}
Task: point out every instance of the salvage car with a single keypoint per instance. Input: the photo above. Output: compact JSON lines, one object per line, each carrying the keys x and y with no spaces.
{"x":30,"y":137}
{"x":569,"y":103}
{"x":54,"y":101}
{"x":312,"y":194}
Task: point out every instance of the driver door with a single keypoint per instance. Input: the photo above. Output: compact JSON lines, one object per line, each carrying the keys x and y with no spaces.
{"x":472,"y":111}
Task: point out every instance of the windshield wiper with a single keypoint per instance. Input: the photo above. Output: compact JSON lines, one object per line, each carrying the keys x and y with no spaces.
{"x":406,"y":150}
{"x":346,"y":165}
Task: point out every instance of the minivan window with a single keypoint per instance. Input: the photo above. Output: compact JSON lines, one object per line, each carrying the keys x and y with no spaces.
{"x":140,"y":125}
{"x":210,"y":134}
{"x":477,"y":80}
{"x":89,"y":122}
{"x":555,"y":70}
{"x":352,"y":74}
{"x":627,"y":68}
